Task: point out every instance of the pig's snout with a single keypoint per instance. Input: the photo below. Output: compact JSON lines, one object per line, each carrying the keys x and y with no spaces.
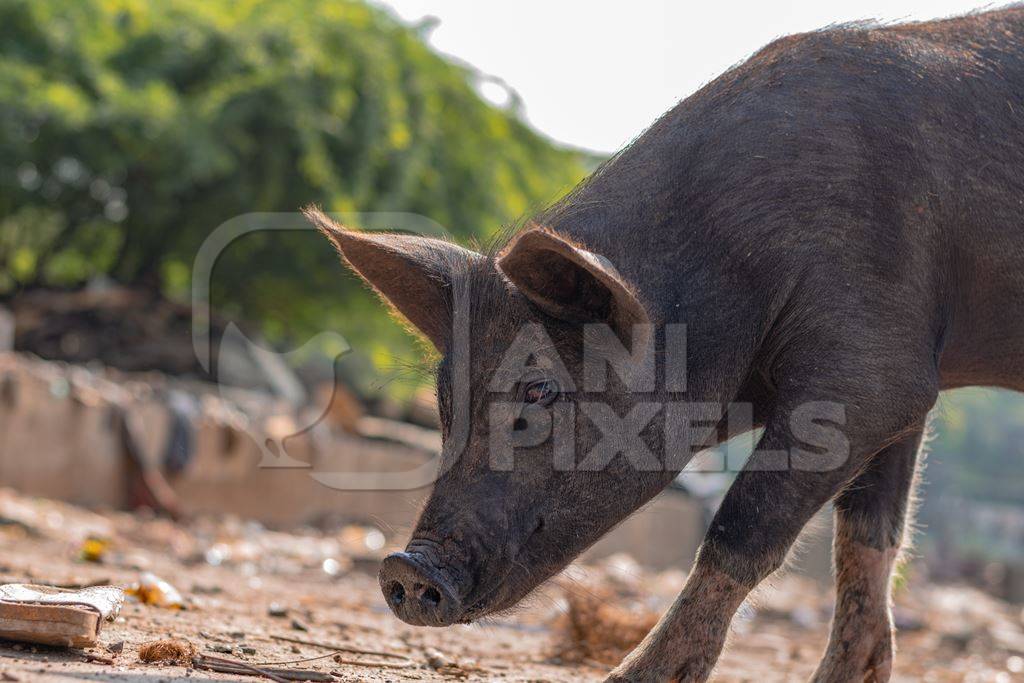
{"x":417,"y":593}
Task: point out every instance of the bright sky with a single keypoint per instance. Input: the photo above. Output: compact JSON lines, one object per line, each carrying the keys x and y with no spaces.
{"x":595,"y":74}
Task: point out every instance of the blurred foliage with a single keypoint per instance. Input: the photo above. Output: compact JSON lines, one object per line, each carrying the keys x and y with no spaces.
{"x":978,"y":448}
{"x":131,"y":129}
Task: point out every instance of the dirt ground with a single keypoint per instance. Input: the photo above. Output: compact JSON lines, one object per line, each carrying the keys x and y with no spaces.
{"x":271,"y":598}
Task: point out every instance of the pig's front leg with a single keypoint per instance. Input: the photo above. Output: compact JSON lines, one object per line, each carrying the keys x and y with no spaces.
{"x":685,"y":643}
{"x":870,"y":518}
{"x":761,"y":516}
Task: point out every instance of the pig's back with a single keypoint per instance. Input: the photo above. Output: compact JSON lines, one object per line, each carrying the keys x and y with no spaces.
{"x":888,"y":158}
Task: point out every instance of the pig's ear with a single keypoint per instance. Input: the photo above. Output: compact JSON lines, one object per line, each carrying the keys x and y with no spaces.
{"x":413,"y":274}
{"x":569,"y":282}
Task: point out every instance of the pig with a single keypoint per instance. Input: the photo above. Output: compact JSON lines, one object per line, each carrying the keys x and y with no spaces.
{"x":829,"y":234}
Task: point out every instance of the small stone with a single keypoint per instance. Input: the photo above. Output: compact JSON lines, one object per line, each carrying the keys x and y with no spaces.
{"x":248,"y":650}
{"x":299,"y":626}
{"x":116,"y":648}
{"x":436,"y":659}
{"x":277,"y":610}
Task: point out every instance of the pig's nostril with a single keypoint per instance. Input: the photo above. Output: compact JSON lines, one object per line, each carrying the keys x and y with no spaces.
{"x":519,"y":424}
{"x":396,"y":593}
{"x":540,"y":525}
{"x":416,"y":592}
{"x":431,"y":597}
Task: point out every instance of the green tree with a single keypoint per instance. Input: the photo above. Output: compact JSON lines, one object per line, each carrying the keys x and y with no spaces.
{"x":130,"y":129}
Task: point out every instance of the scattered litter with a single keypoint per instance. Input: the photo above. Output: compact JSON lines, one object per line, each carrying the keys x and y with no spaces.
{"x":948,"y":631}
{"x":167,"y":651}
{"x":53,"y":616}
{"x":93,"y":549}
{"x":152,"y":590}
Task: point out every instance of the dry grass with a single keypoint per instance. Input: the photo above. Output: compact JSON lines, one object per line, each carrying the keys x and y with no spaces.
{"x":167,"y":651}
{"x":596,"y":629}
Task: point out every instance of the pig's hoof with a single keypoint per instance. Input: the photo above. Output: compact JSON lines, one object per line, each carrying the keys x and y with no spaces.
{"x":616,"y":677}
{"x":657,"y":674}
{"x":631,"y":675}
{"x":876,"y":667}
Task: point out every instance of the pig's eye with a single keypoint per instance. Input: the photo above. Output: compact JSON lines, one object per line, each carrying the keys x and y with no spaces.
{"x":544,"y":392}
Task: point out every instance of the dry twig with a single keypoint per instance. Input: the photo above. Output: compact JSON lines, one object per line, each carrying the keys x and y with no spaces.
{"x":340,"y":648}
{"x":231,"y":666}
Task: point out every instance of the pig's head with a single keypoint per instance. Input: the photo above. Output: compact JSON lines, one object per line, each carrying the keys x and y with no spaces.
{"x":511,"y":507}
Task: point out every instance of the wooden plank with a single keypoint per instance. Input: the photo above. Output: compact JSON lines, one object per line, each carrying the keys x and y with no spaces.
{"x":60,"y":625}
